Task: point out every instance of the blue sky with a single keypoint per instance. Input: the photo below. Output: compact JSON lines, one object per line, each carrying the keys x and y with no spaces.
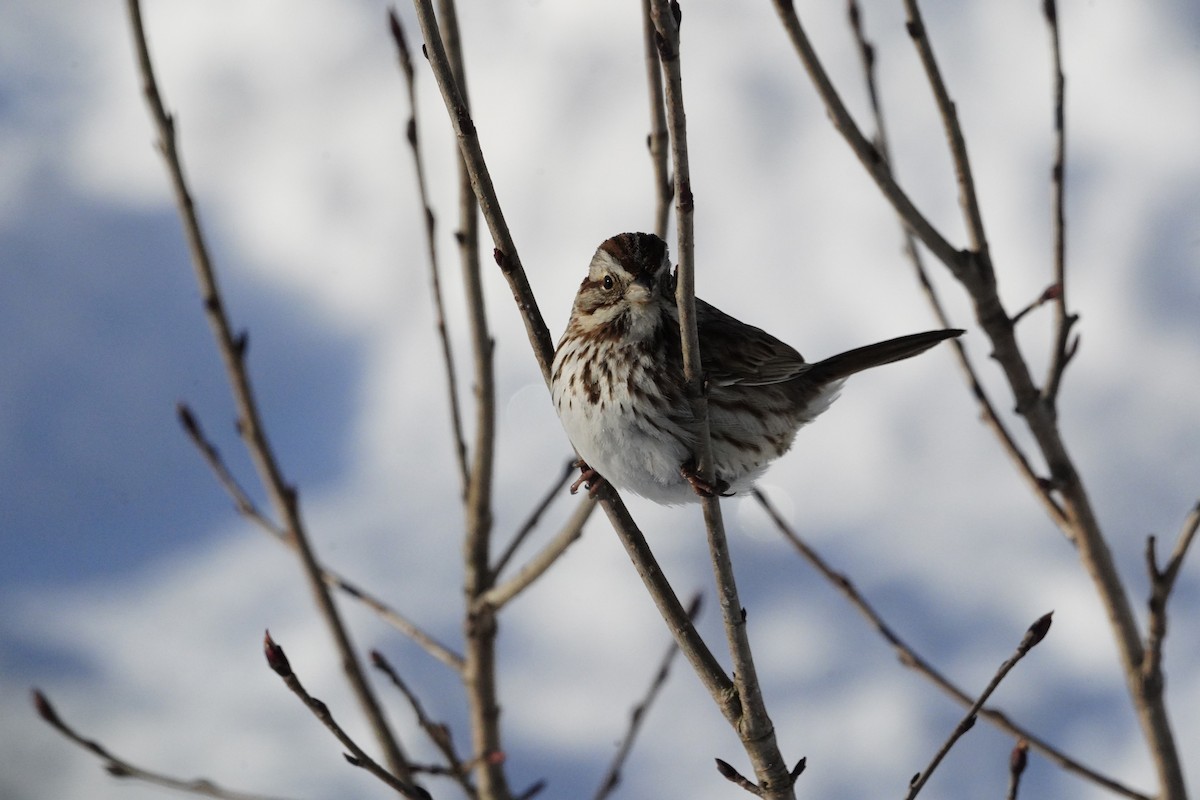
{"x":133,"y":594}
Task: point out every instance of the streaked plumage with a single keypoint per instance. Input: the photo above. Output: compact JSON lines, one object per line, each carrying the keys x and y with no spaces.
{"x":619,"y":390}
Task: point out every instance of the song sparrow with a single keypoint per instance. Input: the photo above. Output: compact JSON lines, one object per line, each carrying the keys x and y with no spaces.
{"x":619,"y":389}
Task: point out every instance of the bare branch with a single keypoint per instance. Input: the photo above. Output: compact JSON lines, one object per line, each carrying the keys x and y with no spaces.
{"x":967,"y":196}
{"x":439,"y":313}
{"x":974,"y":270}
{"x":532,"y":520}
{"x":1016,"y":767}
{"x":438,"y":732}
{"x":957,"y":261}
{"x":657,"y":141}
{"x":1035,"y":634}
{"x":232,"y":347}
{"x":1162,"y":582}
{"x":754,"y":724}
{"x":485,"y":191}
{"x":1063,"y":321}
{"x":248,"y":509}
{"x":572,"y":529}
{"x":612,"y":777}
{"x":120,"y":768}
{"x":910,"y":658}
{"x":987,"y":409}
{"x":278,"y":662}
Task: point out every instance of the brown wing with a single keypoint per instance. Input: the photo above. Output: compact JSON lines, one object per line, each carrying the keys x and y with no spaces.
{"x":734,"y":353}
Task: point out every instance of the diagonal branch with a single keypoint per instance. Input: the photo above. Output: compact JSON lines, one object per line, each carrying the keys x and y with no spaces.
{"x":1037,"y":631}
{"x":278,"y":662}
{"x":987,"y":409}
{"x":612,"y":777}
{"x":232,"y":347}
{"x":120,"y":768}
{"x":910,"y":658}
{"x":247,"y":508}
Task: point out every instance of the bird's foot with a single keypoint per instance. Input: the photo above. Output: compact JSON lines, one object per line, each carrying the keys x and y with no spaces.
{"x":588,"y":477}
{"x":701,"y":486}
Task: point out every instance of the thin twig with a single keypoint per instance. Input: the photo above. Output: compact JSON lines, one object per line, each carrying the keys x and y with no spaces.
{"x":657,"y":141}
{"x":247,"y":508}
{"x":1162,"y":582}
{"x":699,"y":656}
{"x":534,"y":517}
{"x":498,"y":596}
{"x":612,"y":776}
{"x":479,"y":668}
{"x":972,"y":267}
{"x":438,"y":732}
{"x":120,"y":768}
{"x":754,"y":725}
{"x":439,"y":312}
{"x":232,"y":347}
{"x":485,"y":192}
{"x":910,"y":658}
{"x":278,"y":662}
{"x":987,"y":409}
{"x":1037,"y":632}
{"x":1062,"y":350}
{"x":967,"y":196}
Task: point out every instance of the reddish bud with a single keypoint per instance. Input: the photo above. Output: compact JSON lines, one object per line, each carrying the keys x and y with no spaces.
{"x":44,"y":709}
{"x":276,"y":659}
{"x":1019,"y":757}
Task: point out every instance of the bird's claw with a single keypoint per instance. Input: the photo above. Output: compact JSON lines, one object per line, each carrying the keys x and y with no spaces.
{"x":588,"y":477}
{"x":701,"y":486}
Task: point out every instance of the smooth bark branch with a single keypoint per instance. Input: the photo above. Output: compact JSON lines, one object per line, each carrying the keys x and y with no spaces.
{"x":437,"y":732}
{"x":277,"y":660}
{"x":974,"y":270}
{"x":120,"y":768}
{"x":754,"y":725}
{"x":232,"y":347}
{"x":658,"y":141}
{"x":987,"y":408}
{"x":612,"y":776}
{"x":439,"y":313}
{"x":247,"y":508}
{"x":693,"y":647}
{"x":909,"y":657}
{"x":1035,"y":634}
{"x":485,"y":191}
{"x":1062,"y":349}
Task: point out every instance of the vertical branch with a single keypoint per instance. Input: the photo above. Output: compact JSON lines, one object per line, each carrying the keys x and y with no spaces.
{"x":439,"y":312}
{"x":232,"y":347}
{"x":479,"y":667}
{"x":1063,"y":320}
{"x":658,"y":140}
{"x":754,"y":725}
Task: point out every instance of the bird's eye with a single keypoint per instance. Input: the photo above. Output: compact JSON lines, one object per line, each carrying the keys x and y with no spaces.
{"x":608,"y":282}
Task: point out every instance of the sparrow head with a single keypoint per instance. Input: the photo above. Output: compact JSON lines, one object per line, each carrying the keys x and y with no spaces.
{"x":629,"y":277}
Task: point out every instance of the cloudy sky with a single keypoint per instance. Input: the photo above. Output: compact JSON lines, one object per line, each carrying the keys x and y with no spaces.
{"x":133,"y":594}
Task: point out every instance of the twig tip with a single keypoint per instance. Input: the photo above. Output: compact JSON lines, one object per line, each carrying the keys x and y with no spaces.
{"x":276,"y":659}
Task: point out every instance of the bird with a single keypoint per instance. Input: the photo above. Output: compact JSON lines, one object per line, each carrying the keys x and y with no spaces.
{"x":618,"y":386}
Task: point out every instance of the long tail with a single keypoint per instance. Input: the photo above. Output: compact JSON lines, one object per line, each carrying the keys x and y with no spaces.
{"x":846,"y":364}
